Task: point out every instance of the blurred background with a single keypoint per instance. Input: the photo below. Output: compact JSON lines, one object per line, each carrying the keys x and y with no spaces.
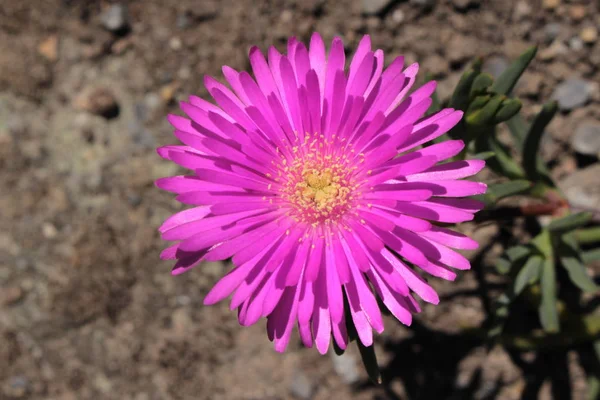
{"x":87,"y":309}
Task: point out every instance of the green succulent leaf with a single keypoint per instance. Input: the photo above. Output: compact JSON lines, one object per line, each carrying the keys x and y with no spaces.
{"x":570,"y":222}
{"x":506,"y":189}
{"x":503,"y":266}
{"x":578,"y":274}
{"x":486,"y":114}
{"x":503,"y":162}
{"x":460,"y":98}
{"x":529,"y":274}
{"x":369,"y":359}
{"x":532,"y":162}
{"x":508,"y":79}
{"x":518,"y":252}
{"x":483,"y":156}
{"x":547,"y":310}
{"x":590,"y":256}
{"x":588,"y":236}
{"x":518,"y":129}
{"x":508,"y":109}
{"x":480,"y":85}
{"x":478,"y":103}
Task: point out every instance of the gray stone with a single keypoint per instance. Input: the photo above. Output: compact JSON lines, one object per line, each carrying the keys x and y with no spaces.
{"x":586,"y":139}
{"x":582,"y":187}
{"x":495,"y":65}
{"x":572,"y":93}
{"x":115,"y":18}
{"x":522,"y":10}
{"x":301,"y":387}
{"x":551,"y":31}
{"x":575,"y":43}
{"x":345,"y":367}
{"x":374,"y":7}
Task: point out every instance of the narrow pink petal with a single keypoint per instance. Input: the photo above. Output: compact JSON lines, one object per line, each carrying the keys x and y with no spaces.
{"x":335,"y":299}
{"x":316,"y":259}
{"x":392,"y":301}
{"x":340,"y":334}
{"x":233,"y":78}
{"x":300,"y":260}
{"x":414,"y":281}
{"x":439,"y":270}
{"x":183,"y":217}
{"x":450,"y":238}
{"x":289,"y":308}
{"x":341,"y":262}
{"x":362,"y":50}
{"x":321,"y":320}
{"x":451,"y":170}
{"x":261,"y":71}
{"x":317,"y":57}
{"x":359,"y":288}
{"x":227,"y":284}
{"x":431,"y":128}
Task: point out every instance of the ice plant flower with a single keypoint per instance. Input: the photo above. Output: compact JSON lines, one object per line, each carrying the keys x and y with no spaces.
{"x":314,"y":180}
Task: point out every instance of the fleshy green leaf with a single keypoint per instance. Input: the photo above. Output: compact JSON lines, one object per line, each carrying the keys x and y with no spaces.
{"x":588,"y":236}
{"x":480,"y":84}
{"x":578,"y":274}
{"x":486,"y":114}
{"x":506,"y":189}
{"x":503,"y":265}
{"x":503,"y":163}
{"x":589,"y":256}
{"x":531,"y":157}
{"x":508,"y":79}
{"x":518,"y":129}
{"x":548,"y":312}
{"x":571,"y":260}
{"x":483,"y":156}
{"x":478,"y":103}
{"x":460,"y":97}
{"x":508,"y":109}
{"x":529,"y":274}
{"x":570,"y":222}
{"x":518,"y":252}
{"x":369,"y":360}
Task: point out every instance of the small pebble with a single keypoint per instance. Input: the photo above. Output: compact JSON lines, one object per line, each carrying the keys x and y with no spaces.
{"x":495,"y":65}
{"x":49,"y":231}
{"x":550,"y":4}
{"x":374,"y":7}
{"x":115,"y":18}
{"x":575,"y":43}
{"x":572,"y":93}
{"x":589,"y":35}
{"x":49,"y":48}
{"x":577,"y":12}
{"x":551,"y":31}
{"x":11,"y":295}
{"x":98,"y":101}
{"x":586,"y":139}
{"x":522,"y":10}
{"x":301,"y":387}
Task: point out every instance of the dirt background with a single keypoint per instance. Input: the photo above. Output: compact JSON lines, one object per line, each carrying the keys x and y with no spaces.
{"x":87,"y":310}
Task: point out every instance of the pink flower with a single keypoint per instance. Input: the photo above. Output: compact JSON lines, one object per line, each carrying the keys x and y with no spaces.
{"x":314,"y":181}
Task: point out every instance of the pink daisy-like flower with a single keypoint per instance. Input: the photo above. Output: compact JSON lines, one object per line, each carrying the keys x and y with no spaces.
{"x":314,"y":181}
